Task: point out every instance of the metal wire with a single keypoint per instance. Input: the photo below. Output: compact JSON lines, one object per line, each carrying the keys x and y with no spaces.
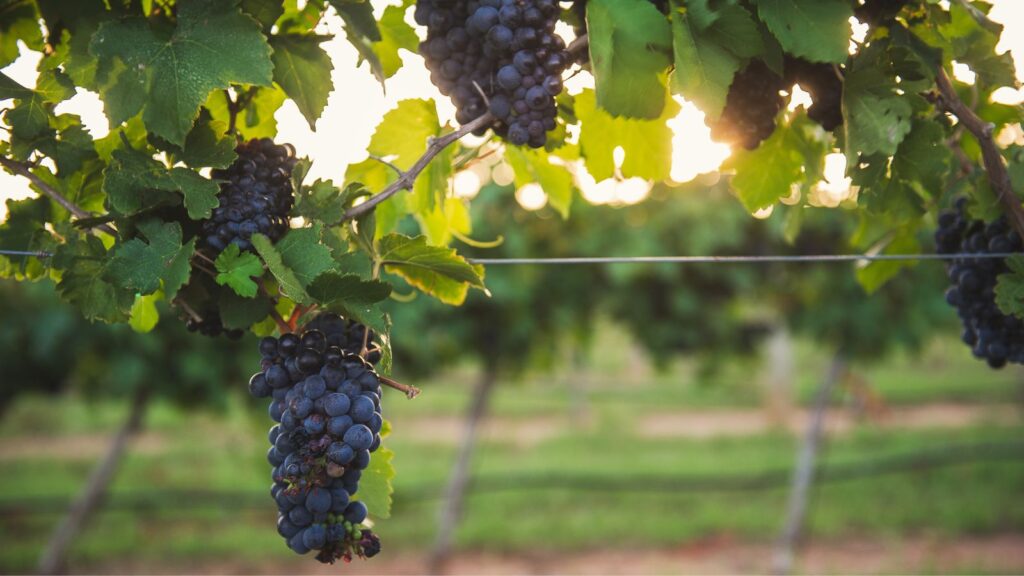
{"x":746,"y":259}
{"x":743,"y":259}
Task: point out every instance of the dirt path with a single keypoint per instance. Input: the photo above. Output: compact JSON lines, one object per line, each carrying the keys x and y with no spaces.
{"x":527,"y":432}
{"x":994,"y":554}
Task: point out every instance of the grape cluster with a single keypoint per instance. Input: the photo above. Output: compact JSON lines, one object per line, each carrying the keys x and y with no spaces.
{"x":992,"y":335}
{"x":326,"y":402}
{"x":751,"y":107}
{"x":346,"y":335}
{"x":255,"y":196}
{"x":501,"y":56}
{"x":825,"y":86}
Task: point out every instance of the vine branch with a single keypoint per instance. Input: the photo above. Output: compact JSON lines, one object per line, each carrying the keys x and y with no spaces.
{"x":22,"y":169}
{"x":998,"y":176}
{"x":408,"y":178}
{"x":409,"y":391}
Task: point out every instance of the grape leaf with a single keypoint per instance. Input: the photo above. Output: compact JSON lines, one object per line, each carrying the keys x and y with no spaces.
{"x":1010,"y":288}
{"x":768,"y":172}
{"x":266,"y":12}
{"x":141,"y":266}
{"x":817,"y":30}
{"x":303,"y":253}
{"x":170,"y":73}
{"x":375,"y":485}
{"x":237,"y":270}
{"x":323,"y":201}
{"x":83,"y":282}
{"x":296,"y":260}
{"x":144,"y":315}
{"x":405,"y":132}
{"x":332,"y":289}
{"x":18,"y":21}
{"x":238,"y":313}
{"x":208,"y":144}
{"x":436,"y":270}
{"x":289,"y":283}
{"x":647,"y":143}
{"x":395,"y":34}
{"x":875,"y":117}
{"x":303,"y":70}
{"x":704,"y":69}
{"x":630,"y":50}
{"x":135,"y":181}
{"x":534,"y":166}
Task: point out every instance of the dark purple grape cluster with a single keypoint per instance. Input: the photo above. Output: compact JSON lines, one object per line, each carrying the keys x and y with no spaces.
{"x":501,"y":56}
{"x":825,"y":85}
{"x":751,"y":107}
{"x":255,"y":196}
{"x":327,"y":405}
{"x":992,"y":335}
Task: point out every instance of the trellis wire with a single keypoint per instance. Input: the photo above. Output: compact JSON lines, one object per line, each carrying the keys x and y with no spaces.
{"x":742,"y":259}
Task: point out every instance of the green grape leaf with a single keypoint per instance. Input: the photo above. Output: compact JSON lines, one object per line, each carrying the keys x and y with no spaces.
{"x":436,"y":270}
{"x":923,"y":160}
{"x":296,"y":260}
{"x":287,"y":280}
{"x":141,"y":265}
{"x":144,"y":315}
{"x":238,"y":313}
{"x":303,"y":70}
{"x":534,"y":166}
{"x":18,"y":21}
{"x":971,"y":43}
{"x":630,"y":50}
{"x":704,"y":68}
{"x":876,"y":118}
{"x":647,"y":143}
{"x":237,"y":269}
{"x":333,"y":289}
{"x":768,"y":172}
{"x":266,"y":12}
{"x":375,"y":485}
{"x":817,"y":30}
{"x":135,"y":182}
{"x":1010,"y":288}
{"x":303,"y":253}
{"x":873,"y":275}
{"x":395,"y":34}
{"x":208,"y":144}
{"x":362,"y":32}
{"x":323,"y":201}
{"x":84,"y":283}
{"x":170,"y":73}
{"x":25,"y":229}
{"x":405,"y":132}
{"x":257,"y":121}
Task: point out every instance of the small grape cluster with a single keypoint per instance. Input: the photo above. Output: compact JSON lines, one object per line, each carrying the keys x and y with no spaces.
{"x":501,"y":56}
{"x":255,"y":196}
{"x":753,"y":102}
{"x":825,"y":86}
{"x":992,"y":335}
{"x":326,"y":402}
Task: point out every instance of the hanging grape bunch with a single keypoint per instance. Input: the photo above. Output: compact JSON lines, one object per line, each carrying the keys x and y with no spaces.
{"x":255,"y":196}
{"x":326,"y":402}
{"x":501,"y":56}
{"x":992,"y":335}
{"x":751,"y":107}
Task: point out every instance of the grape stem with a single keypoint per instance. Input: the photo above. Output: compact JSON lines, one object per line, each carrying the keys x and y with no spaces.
{"x":409,"y":391}
{"x":386,"y":163}
{"x":578,"y":46}
{"x":188,"y":309}
{"x":282,"y":325}
{"x":998,"y":176}
{"x":408,"y":178}
{"x":22,"y":169}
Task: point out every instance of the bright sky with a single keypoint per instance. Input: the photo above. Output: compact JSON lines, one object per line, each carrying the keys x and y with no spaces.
{"x":358,"y":104}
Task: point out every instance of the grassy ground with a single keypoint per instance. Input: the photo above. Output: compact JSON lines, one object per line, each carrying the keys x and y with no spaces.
{"x":626,"y":499}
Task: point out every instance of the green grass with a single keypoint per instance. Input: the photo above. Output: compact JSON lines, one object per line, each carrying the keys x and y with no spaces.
{"x":224,"y":451}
